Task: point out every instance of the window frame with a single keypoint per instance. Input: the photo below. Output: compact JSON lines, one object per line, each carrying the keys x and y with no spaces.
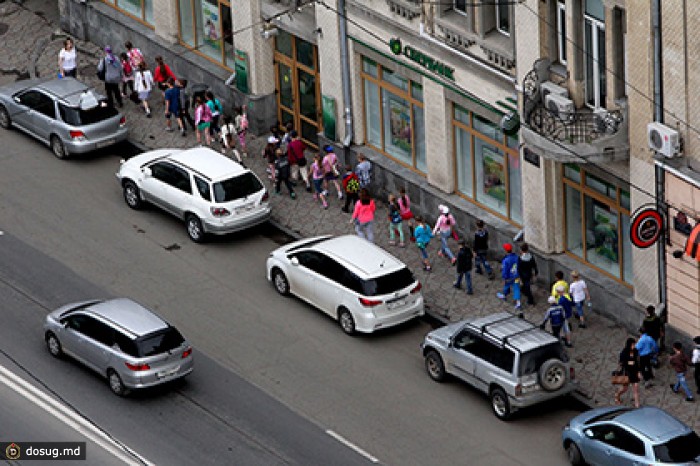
{"x":561,"y":31}
{"x":599,"y":92}
{"x":223,"y":62}
{"x":115,"y":4}
{"x":498,"y":5}
{"x":464,"y":12}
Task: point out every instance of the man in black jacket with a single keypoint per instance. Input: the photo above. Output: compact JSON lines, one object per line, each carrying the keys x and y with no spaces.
{"x":527,"y":270}
{"x":464,"y":266}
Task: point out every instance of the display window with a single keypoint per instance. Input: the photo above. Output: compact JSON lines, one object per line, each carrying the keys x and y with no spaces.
{"x":205,"y":26}
{"x":139,"y":9}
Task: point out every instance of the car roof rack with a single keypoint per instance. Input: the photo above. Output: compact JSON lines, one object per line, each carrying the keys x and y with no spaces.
{"x":484,"y":329}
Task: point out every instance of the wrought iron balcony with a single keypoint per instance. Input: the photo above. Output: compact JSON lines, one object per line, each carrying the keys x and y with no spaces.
{"x":408,"y":9}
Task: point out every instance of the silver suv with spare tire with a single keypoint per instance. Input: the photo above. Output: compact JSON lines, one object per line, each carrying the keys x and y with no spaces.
{"x":512,"y":360}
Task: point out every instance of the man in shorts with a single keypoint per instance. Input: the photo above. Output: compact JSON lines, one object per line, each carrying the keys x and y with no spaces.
{"x":172,"y":106}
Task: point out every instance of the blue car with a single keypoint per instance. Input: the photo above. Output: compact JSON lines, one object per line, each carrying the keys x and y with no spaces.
{"x":623,"y":436}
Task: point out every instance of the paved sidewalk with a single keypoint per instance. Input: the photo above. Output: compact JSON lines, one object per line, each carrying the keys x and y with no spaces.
{"x":596,"y":348}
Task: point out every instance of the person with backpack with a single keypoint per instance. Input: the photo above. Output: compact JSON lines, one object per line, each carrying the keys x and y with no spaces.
{"x":172,"y":106}
{"x":464,"y":267}
{"x":143,"y":83}
{"x":351,"y":185}
{"x":111,"y":72}
{"x":128,"y":76}
{"x":555,"y":316}
{"x":330,"y":165}
{"x":509,"y":274}
{"x":395,"y":222}
{"x":297,"y":159}
{"x":481,"y":249}
{"x":444,"y":225}
{"x":567,"y":304}
{"x":216,"y":111}
{"x":423,"y":235}
{"x":185,"y":103}
{"x":134,"y":54}
{"x":241,"y":122}
{"x":202,"y":118}
{"x":282,"y":169}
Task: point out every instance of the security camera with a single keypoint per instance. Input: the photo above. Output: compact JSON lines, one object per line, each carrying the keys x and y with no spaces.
{"x":269,"y":31}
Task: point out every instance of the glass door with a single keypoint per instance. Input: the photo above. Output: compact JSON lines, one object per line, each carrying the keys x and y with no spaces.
{"x":595,"y":62}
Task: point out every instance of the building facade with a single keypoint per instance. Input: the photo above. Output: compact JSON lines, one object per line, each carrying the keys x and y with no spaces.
{"x":437,"y":92}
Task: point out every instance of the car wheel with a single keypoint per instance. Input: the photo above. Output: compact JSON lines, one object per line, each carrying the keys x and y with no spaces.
{"x":5,"y":120}
{"x":194,"y":228}
{"x":53,"y":345}
{"x":57,"y":147}
{"x":279,"y":279}
{"x":346,"y":321}
{"x":115,"y":383}
{"x":574,"y":454}
{"x":500,"y":404}
{"x":132,"y":196}
{"x":552,"y":375}
{"x":435,"y":366}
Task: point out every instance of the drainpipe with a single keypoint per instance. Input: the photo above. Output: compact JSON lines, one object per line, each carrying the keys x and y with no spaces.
{"x":659,"y":172}
{"x":345,"y":61}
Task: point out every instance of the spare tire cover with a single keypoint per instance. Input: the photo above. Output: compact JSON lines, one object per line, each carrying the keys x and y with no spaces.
{"x":552,"y":375}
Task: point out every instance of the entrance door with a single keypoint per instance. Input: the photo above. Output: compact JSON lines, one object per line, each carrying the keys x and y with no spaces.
{"x":298,"y":86}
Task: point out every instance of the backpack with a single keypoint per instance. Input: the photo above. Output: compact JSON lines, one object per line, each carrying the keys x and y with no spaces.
{"x":244,"y":122}
{"x":127,"y":68}
{"x":353,"y":185}
{"x":394,"y":215}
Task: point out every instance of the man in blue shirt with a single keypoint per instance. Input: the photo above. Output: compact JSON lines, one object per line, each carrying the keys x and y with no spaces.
{"x":555,"y":314}
{"x":647,"y":348}
{"x":172,"y":106}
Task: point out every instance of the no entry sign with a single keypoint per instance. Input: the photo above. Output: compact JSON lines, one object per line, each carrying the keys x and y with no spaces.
{"x":646,"y":228}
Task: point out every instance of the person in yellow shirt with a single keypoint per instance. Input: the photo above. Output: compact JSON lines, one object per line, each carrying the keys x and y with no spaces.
{"x":559,"y":275}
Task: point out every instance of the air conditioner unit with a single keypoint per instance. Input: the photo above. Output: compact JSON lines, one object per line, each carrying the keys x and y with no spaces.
{"x":663,"y":139}
{"x":548,"y":87}
{"x":560,"y":106}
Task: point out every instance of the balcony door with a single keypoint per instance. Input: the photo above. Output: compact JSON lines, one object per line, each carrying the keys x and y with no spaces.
{"x":594,"y":51}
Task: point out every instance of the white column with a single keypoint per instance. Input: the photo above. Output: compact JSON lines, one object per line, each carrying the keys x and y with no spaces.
{"x":259,"y":50}
{"x":165,"y":19}
{"x":439,"y":149}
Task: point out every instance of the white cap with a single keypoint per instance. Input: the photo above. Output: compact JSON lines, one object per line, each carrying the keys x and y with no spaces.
{"x":272,"y":140}
{"x":552,"y":300}
{"x":444,"y":209}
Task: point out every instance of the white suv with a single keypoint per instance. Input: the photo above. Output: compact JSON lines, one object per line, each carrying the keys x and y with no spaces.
{"x":210,"y":192}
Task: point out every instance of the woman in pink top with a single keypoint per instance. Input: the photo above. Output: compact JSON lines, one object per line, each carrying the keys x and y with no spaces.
{"x":444,"y":225}
{"x":363,"y":216}
{"x":318,"y":173}
{"x":330,"y":164}
{"x":405,"y":209}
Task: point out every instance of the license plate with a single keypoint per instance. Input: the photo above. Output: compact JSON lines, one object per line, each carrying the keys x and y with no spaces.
{"x":106,"y":143}
{"x":162,"y":374}
{"x":244,"y":208}
{"x":395,"y":304}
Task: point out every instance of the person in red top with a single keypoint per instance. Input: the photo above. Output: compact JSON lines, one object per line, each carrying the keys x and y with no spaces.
{"x":351,"y":185}
{"x":161,"y":74}
{"x":363,"y":216}
{"x":297,"y":159}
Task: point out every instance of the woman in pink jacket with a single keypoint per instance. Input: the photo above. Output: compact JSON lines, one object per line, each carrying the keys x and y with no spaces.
{"x":444,"y":225}
{"x":363,"y":216}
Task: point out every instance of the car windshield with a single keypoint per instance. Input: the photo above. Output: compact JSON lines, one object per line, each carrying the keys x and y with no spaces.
{"x":682,"y":449}
{"x":389,"y":283}
{"x":236,"y":188}
{"x":160,"y":342}
{"x":76,"y":117}
{"x":531,"y":361}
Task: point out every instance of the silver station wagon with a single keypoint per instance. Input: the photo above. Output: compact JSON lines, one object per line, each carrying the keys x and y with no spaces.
{"x":120,"y":340}
{"x":63,"y":113}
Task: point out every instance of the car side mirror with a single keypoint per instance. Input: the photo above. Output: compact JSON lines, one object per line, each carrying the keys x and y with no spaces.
{"x":588,"y":433}
{"x":147,"y":172}
{"x":16,"y":99}
{"x":294,"y":261}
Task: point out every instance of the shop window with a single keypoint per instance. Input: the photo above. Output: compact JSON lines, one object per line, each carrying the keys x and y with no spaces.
{"x":140,"y":9}
{"x":574,"y":225}
{"x":488,"y":165}
{"x":206,"y":26}
{"x":393,"y":109}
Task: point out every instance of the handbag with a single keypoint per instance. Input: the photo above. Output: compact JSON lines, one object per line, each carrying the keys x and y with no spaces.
{"x":619,"y":378}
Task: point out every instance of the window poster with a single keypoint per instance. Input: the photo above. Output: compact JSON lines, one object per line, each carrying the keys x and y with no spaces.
{"x":212,"y":24}
{"x":494,"y":174}
{"x":605,"y":231}
{"x":400,"y":124}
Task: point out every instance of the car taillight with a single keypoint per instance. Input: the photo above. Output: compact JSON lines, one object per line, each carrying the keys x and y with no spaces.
{"x":186,"y":353}
{"x":572,"y":373}
{"x":518,"y":390}
{"x":266,"y":196}
{"x":370,"y":302}
{"x":138,"y":367}
{"x":122,"y":120}
{"x":79,"y":135}
{"x":219,"y":211}
{"x":416,"y":288}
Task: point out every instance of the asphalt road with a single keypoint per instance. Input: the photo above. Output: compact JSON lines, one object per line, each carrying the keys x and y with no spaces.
{"x":69,"y":236}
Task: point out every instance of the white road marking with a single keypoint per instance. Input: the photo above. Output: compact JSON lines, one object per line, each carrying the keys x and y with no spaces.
{"x":353,"y":446}
{"x":70,"y":418}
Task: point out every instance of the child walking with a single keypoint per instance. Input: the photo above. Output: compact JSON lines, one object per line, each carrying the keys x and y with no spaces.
{"x":405,"y":209}
{"x":444,"y":225}
{"x":423,"y":236}
{"x":395,"y":222}
{"x":317,"y":175}
{"x":330,"y":165}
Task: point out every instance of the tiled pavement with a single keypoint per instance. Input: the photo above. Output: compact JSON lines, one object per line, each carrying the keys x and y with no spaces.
{"x":595,"y":349}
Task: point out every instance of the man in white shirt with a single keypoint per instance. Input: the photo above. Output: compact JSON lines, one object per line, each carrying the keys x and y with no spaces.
{"x":579,"y":295}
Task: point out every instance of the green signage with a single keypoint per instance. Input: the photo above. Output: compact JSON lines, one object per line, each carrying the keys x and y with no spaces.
{"x":328,"y":117}
{"x":241,"y":68}
{"x":429,"y":63}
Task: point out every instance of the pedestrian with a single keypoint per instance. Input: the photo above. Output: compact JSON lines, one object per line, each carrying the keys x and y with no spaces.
{"x":143,"y":83}
{"x":647,"y":348}
{"x":363,"y":216}
{"x":423,"y":234}
{"x":509,"y":274}
{"x":330,"y":165}
{"x":228,"y":139}
{"x":444,"y":225}
{"x":565,"y":302}
{"x":172,"y":106}
{"x":555,"y":316}
{"x":629,"y":365}
{"x":297,"y":159}
{"x":481,"y":249}
{"x":241,"y":122}
{"x":185,"y":103}
{"x":111,"y":72}
{"x":216,"y":111}
{"x":351,"y":185}
{"x":202,"y":120}
{"x":287,"y":137}
{"x":559,"y":281}
{"x":161,"y":74}
{"x":405,"y":209}
{"x":316,"y":173}
{"x":268,"y":154}
{"x":696,"y":362}
{"x":395,"y":222}
{"x":527,"y":271}
{"x":464,"y":267}
{"x":134,"y":54}
{"x":68,"y":60}
{"x":680,"y":363}
{"x":652,"y":323}
{"x":579,"y":294}
{"x":363,"y":171}
{"x":277,"y":133}
{"x":128,"y":76}
{"x":282,"y":169}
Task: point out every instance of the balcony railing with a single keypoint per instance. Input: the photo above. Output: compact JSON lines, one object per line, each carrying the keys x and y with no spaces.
{"x":408,"y":9}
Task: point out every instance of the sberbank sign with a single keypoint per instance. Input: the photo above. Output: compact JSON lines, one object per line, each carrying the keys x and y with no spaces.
{"x":429,"y":63}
